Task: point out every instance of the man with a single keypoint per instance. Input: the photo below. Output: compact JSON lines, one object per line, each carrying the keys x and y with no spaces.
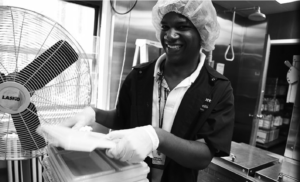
{"x":176,"y":112}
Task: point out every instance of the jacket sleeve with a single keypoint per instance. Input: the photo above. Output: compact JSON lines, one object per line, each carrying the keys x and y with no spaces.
{"x":123,"y":107}
{"x":218,"y":128}
{"x":118,"y":117}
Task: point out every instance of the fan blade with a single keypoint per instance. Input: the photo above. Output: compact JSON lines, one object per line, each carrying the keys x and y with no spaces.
{"x":26,"y":124}
{"x":47,"y":66}
{"x":2,"y":78}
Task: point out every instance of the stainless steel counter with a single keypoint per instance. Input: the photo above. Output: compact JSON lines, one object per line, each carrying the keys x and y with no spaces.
{"x":248,"y":159}
{"x":241,"y":166}
{"x":287,"y":171}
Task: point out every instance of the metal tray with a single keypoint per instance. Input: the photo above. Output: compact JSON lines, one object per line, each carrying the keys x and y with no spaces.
{"x":241,"y":166}
{"x":248,"y":159}
{"x":74,"y":166}
{"x":287,"y":171}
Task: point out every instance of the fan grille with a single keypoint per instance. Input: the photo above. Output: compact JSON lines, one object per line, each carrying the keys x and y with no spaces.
{"x":39,"y":54}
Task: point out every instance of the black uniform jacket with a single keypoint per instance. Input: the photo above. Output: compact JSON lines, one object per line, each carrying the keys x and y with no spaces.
{"x":206,"y":111}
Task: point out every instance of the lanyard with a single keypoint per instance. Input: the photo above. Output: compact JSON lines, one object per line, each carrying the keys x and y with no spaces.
{"x":166,"y":93}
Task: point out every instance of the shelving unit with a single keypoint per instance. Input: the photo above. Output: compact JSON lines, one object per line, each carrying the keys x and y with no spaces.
{"x":276,"y":114}
{"x":279,"y":140}
{"x":277,"y":87}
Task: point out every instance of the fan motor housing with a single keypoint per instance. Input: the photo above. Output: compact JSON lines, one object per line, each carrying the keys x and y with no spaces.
{"x":14,"y":97}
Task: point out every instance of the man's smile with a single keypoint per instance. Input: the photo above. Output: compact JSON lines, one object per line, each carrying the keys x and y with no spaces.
{"x":176,"y":47}
{"x":173,"y":47}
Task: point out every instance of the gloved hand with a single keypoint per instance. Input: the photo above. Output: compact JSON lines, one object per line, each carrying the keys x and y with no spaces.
{"x":292,"y":75}
{"x":76,"y":140}
{"x":133,"y":145}
{"x":84,"y":118}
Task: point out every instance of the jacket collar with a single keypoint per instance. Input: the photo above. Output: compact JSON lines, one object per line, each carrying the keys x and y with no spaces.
{"x":206,"y":79}
{"x":212,"y":72}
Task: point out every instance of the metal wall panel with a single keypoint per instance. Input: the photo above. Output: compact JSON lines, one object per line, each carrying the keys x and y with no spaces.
{"x":139,"y":26}
{"x":293,"y":144}
{"x":284,"y":25}
{"x":250,"y":80}
{"x":245,"y":71}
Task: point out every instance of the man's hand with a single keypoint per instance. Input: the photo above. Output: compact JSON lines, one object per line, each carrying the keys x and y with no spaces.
{"x":133,"y":145}
{"x":76,"y":140}
{"x":84,"y":118}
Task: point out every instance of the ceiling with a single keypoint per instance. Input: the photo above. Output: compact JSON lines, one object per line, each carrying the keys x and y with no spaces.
{"x":266,"y":7}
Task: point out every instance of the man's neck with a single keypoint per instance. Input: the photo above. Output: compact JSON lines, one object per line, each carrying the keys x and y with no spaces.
{"x":175,"y":73}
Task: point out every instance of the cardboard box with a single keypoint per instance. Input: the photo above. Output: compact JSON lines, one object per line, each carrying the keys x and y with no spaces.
{"x":265,"y":136}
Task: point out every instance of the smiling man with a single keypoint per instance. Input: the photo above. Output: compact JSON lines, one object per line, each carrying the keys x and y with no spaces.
{"x":181,"y":42}
{"x":176,"y":112}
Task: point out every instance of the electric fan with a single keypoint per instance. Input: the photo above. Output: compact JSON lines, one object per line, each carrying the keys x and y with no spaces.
{"x":44,"y":78}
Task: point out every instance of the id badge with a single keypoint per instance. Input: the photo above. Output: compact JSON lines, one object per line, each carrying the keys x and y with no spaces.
{"x":158,"y":158}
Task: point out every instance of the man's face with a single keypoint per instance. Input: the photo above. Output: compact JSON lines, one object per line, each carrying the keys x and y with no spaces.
{"x":179,"y":37}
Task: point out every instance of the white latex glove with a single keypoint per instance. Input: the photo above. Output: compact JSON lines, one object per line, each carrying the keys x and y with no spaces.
{"x":76,"y":140}
{"x":84,"y":118}
{"x":133,"y":145}
{"x":292,"y":75}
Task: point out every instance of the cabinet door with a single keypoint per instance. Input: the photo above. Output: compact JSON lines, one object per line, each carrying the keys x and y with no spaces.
{"x":251,"y":77}
{"x":293,"y":143}
{"x":246,"y":72}
{"x":262,"y":85}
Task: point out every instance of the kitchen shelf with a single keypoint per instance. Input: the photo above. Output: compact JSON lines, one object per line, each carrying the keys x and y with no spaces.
{"x":279,"y":140}
{"x":272,"y":128}
{"x":273,"y":112}
{"x":276,"y":96}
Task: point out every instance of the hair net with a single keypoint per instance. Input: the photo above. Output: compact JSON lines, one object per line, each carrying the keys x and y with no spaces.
{"x":200,"y":12}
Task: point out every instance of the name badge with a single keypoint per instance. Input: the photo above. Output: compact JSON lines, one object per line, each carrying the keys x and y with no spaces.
{"x":205,"y":105}
{"x":158,"y":158}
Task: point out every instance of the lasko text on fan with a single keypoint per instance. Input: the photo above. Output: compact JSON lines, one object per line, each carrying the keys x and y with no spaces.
{"x":10,"y":98}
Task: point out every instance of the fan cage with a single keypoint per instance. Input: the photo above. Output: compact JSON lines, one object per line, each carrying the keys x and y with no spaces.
{"x":39,"y":54}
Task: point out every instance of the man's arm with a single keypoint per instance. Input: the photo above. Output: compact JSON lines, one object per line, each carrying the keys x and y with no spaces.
{"x":195,"y":154}
{"x":107,"y":118}
{"x":136,"y":143}
{"x":191,"y":154}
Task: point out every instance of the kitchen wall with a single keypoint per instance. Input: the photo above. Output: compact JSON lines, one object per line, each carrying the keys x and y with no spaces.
{"x":284,"y":25}
{"x":245,"y":71}
{"x":138,"y":24}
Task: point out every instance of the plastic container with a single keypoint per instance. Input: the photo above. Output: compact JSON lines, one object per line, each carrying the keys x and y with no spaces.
{"x":268,"y":121}
{"x":73,"y":166}
{"x":278,"y":121}
{"x":265,"y":136}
